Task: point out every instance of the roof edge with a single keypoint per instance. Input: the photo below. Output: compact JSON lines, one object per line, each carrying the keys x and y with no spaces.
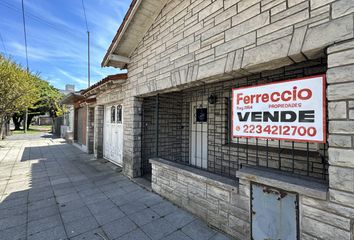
{"x":130,"y":13}
{"x":116,"y":77}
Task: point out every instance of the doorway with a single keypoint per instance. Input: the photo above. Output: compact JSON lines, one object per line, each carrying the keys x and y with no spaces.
{"x":199,"y":134}
{"x":113,"y":134}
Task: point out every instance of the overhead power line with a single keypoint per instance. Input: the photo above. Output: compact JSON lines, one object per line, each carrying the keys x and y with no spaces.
{"x":25,"y":33}
{"x":39,"y":19}
{"x":3,"y":45}
{"x":88,"y":45}
{"x":83,"y":7}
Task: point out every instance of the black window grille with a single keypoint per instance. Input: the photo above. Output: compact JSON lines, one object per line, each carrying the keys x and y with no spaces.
{"x":179,"y":126}
{"x":113,"y":114}
{"x":119,"y":114}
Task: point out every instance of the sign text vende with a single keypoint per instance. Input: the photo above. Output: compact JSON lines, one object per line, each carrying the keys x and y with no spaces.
{"x":290,"y":110}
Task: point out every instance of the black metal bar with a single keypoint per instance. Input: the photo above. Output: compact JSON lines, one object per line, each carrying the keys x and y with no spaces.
{"x":142,"y":134}
{"x":229,"y":130}
{"x":257,"y":158}
{"x":267,"y":152}
{"x":293,"y":156}
{"x":308,"y":158}
{"x":279,"y":154}
{"x":202,"y":133}
{"x":157,"y":113}
{"x":324,"y":165}
{"x":214,"y":136}
{"x":247,"y":151}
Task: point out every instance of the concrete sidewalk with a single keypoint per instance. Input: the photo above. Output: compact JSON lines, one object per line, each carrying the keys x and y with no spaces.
{"x":51,"y":190}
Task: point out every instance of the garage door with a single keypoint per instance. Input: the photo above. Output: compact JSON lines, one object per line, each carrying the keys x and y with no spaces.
{"x":113,"y":134}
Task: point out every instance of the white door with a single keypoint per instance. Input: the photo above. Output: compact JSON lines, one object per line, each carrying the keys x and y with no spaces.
{"x":113,"y":134}
{"x":199,"y":134}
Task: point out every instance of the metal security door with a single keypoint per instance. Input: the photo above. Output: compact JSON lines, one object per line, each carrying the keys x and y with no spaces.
{"x":274,"y":214}
{"x":199,"y":134}
{"x":113,"y":134}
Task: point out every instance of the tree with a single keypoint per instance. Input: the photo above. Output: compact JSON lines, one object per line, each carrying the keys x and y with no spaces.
{"x":18,"y":89}
{"x":48,"y":101}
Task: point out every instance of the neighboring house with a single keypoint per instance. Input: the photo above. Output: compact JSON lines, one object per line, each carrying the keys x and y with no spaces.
{"x":42,"y":120}
{"x":84,"y":123}
{"x":68,"y":122}
{"x":107,"y":118}
{"x":101,"y":134}
{"x":175,"y":112}
{"x":67,"y":129}
{"x":75,"y":126}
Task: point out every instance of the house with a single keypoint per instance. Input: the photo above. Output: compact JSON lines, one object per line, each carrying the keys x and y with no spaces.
{"x":239,"y":111}
{"x":67,"y":127}
{"x":78,"y":120}
{"x":105,"y":118}
{"x":44,"y":119}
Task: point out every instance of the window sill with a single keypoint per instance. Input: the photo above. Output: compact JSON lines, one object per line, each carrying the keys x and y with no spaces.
{"x":302,"y":186}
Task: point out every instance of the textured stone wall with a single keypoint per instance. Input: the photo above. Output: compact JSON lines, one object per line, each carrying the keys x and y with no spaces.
{"x":132,"y":125}
{"x":132,"y":136}
{"x":215,"y":40}
{"x":211,"y":39}
{"x":223,"y":203}
{"x":334,"y":218}
{"x":195,"y":41}
{"x":90,"y":129}
{"x":98,"y":131}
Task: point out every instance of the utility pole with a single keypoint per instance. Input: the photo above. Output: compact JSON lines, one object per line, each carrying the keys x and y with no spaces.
{"x":25,"y":34}
{"x":88,"y":57}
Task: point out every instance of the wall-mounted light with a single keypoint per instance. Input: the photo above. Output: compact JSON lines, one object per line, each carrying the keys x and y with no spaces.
{"x":212,"y":99}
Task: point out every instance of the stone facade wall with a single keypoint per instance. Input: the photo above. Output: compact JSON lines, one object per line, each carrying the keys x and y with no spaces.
{"x":98,"y":131}
{"x":334,"y":218}
{"x":119,"y":94}
{"x":90,"y":129}
{"x":215,"y":40}
{"x":196,"y":41}
{"x":211,"y":39}
{"x":223,"y":203}
{"x":132,"y":137}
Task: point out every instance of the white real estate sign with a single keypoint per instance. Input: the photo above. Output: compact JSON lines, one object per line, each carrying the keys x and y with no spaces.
{"x":293,"y":110}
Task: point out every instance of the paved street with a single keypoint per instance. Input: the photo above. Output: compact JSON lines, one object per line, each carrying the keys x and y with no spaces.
{"x":51,"y":190}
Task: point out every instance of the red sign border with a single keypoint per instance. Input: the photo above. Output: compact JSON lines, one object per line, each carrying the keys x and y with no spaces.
{"x":324,"y":121}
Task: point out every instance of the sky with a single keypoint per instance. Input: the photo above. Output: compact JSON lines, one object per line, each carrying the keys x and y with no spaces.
{"x":57,"y":37}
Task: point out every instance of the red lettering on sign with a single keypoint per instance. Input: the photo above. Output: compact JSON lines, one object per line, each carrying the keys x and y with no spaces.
{"x":285,"y":96}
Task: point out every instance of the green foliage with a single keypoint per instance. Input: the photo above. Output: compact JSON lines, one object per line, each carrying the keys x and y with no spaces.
{"x":18,"y":89}
{"x":48,"y":101}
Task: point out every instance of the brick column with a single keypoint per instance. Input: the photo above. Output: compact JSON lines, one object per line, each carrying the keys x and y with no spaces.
{"x":132,"y":137}
{"x":90,"y":129}
{"x":340,"y":94}
{"x":98,"y":131}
